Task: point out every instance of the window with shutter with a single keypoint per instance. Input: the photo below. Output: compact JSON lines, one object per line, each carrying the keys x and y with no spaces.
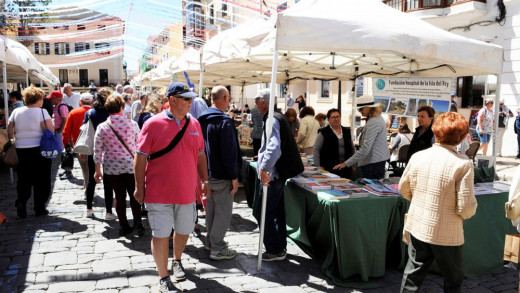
{"x":67,"y":48}
{"x":48,"y":48}
{"x":56,"y":49}
{"x":36,"y":47}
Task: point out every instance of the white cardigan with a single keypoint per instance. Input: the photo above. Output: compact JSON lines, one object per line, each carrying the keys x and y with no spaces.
{"x":439,"y":183}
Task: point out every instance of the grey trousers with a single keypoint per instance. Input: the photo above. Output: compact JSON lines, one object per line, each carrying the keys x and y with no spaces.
{"x":219,"y":208}
{"x":420,"y":258}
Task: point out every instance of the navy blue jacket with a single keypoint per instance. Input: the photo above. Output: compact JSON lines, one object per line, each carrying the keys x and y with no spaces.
{"x":98,"y":116}
{"x":221,"y":144}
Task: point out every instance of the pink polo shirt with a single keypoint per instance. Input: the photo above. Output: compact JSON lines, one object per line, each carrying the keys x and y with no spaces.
{"x":171,"y":178}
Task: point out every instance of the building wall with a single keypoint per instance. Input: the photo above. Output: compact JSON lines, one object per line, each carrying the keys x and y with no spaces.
{"x":91,"y":45}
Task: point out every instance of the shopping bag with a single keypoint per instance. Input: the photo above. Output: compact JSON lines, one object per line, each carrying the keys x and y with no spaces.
{"x":512,"y":248}
{"x":85,"y":142}
{"x":67,"y":160}
{"x":50,"y":147}
{"x":9,"y":156}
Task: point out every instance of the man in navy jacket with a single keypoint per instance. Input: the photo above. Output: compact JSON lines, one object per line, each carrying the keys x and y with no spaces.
{"x":222,"y":152}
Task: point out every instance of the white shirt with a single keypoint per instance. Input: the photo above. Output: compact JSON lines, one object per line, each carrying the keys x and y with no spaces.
{"x":127,"y":111}
{"x":27,"y":129}
{"x":73,"y":100}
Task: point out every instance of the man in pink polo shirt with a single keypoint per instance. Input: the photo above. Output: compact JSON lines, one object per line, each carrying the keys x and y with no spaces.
{"x":171,"y":179}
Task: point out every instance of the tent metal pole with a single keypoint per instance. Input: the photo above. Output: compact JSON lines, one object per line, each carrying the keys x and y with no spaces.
{"x":268,"y":130}
{"x":201,"y":75}
{"x":27,"y":79}
{"x":339,"y":97}
{"x":495,"y":126}
{"x":353,"y":109}
{"x":6,"y":108}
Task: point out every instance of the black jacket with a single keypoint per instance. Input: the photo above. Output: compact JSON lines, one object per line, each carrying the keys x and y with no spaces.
{"x":290,"y":163}
{"x":420,"y":143}
{"x":329,"y":154}
{"x":221,"y":144}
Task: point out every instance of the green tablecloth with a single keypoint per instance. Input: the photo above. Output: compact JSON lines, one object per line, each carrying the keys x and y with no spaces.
{"x":348,"y":237}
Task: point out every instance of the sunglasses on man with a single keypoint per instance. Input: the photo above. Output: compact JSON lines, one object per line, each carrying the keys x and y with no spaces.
{"x":187,"y":99}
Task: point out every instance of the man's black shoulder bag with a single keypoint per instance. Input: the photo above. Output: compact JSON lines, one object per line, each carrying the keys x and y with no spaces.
{"x":172,"y":144}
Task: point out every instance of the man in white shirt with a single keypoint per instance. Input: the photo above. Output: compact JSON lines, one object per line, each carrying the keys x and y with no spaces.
{"x":69,"y":97}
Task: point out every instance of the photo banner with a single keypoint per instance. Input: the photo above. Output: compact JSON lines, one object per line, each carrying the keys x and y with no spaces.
{"x":404,"y":95}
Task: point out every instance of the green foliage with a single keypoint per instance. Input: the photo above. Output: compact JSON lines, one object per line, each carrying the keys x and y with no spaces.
{"x":23,"y":15}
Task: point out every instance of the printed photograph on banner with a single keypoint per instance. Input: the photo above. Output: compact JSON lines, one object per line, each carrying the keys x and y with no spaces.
{"x":383,"y":102}
{"x":422,"y":102}
{"x":440,"y":106}
{"x":397,"y":106}
{"x":412,"y":108}
{"x":325,"y":89}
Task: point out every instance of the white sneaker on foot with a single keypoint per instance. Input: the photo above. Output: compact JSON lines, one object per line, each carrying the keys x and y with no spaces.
{"x":109,"y":217}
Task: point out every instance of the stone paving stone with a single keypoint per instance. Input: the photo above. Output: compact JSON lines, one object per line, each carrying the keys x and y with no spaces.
{"x":111,"y":265}
{"x":221,"y":270}
{"x":142,"y":280}
{"x":292,"y":289}
{"x":58,"y":276}
{"x":111,"y":246}
{"x":112,"y":283}
{"x":60,"y":258}
{"x":78,"y":286}
{"x":25,"y":261}
{"x":136,"y":290}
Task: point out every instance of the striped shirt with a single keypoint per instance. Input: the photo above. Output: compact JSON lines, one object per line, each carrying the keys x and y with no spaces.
{"x":373,"y":144}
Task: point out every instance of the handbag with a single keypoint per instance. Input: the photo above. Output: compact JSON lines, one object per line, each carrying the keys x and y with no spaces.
{"x":85,"y":142}
{"x":484,"y":174}
{"x":67,"y":160}
{"x":512,"y":248}
{"x":50,"y":147}
{"x":9,"y":156}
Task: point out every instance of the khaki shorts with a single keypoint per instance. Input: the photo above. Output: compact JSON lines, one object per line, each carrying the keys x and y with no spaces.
{"x":165,"y":217}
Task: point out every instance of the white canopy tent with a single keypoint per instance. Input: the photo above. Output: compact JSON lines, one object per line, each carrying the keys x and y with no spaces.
{"x":347,"y":39}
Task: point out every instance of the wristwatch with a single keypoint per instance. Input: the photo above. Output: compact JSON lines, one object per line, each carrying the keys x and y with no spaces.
{"x":205,"y":182}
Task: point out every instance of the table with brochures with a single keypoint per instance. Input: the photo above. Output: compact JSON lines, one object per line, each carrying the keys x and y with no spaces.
{"x":356,"y":239}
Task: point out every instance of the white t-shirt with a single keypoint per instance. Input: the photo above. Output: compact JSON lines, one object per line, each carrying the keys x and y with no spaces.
{"x":27,"y":129}
{"x":127,"y":111}
{"x":73,"y":100}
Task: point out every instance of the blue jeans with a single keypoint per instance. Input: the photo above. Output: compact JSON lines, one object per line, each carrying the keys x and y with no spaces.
{"x":275,"y":233}
{"x":374,"y":170}
{"x":518,"y":141}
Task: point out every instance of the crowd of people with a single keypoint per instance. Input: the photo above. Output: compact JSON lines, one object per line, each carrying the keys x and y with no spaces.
{"x":131,"y":136}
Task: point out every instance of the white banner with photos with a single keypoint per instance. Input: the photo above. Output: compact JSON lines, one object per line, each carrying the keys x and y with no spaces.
{"x":402,"y":96}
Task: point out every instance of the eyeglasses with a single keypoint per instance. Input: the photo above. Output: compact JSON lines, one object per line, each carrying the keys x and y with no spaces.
{"x":187,"y":99}
{"x":335,"y":117}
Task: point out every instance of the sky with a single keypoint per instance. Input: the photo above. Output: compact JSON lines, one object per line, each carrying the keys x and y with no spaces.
{"x":143,"y":18}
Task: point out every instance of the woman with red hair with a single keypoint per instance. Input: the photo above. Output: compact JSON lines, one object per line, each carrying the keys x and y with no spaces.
{"x":438,"y":182}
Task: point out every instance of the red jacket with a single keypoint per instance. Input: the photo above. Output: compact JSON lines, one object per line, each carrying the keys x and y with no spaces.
{"x":74,"y":122}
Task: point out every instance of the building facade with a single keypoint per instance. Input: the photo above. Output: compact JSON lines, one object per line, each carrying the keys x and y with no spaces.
{"x":80,"y":46}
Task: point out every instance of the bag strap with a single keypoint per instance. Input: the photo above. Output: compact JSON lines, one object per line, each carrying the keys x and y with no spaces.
{"x":45,"y":124}
{"x":173,"y":143}
{"x":120,"y":139}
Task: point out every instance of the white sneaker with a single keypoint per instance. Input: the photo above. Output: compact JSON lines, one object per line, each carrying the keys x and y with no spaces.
{"x":89,"y":214}
{"x":109,"y":217}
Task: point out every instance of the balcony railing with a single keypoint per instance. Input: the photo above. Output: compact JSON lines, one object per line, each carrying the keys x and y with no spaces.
{"x":411,"y":5}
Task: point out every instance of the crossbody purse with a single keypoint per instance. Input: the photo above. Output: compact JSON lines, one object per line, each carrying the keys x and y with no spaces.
{"x":173,"y":143}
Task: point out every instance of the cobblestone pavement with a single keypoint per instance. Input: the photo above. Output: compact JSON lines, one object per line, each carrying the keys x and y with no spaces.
{"x":66,"y":252}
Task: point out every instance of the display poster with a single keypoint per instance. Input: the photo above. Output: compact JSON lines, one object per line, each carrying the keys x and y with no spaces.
{"x":402,"y":96}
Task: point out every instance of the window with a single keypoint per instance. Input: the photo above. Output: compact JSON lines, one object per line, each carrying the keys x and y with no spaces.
{"x":42,"y":48}
{"x":198,"y":22}
{"x":61,"y":49}
{"x":102,"y":48}
{"x":78,"y":47}
{"x":431,"y":3}
{"x":64,"y":76}
{"x":101,"y":26}
{"x":62,"y":28}
{"x":211,"y":14}
{"x":80,"y":27}
{"x":224,"y":9}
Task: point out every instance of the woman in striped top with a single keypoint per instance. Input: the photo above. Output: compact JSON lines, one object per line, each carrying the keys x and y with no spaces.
{"x":373,"y":152}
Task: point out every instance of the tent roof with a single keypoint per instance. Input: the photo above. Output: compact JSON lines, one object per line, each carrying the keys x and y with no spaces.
{"x":356,"y":38}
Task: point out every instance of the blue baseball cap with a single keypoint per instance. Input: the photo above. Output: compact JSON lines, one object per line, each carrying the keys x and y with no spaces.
{"x":453,"y":93}
{"x":180,"y":89}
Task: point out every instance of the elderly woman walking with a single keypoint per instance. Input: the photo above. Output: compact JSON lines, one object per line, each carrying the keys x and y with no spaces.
{"x":373,"y":152}
{"x":439,"y":184}
{"x":114,"y":147}
{"x":485,"y":121}
{"x":26,"y":126}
